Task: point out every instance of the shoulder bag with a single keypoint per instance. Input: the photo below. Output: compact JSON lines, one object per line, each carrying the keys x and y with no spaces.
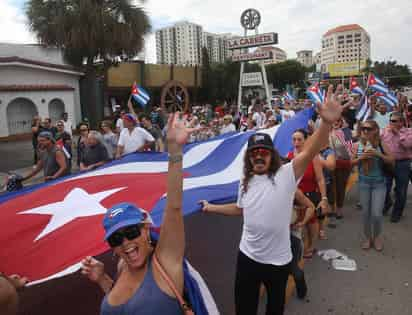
{"x":185,"y":307}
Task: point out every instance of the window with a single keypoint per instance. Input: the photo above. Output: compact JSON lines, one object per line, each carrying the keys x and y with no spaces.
{"x":349,"y":36}
{"x":348,"y":41}
{"x":357,"y":40}
{"x":357,"y":35}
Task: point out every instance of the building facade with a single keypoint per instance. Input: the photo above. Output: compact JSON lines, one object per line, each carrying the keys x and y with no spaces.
{"x":180,"y":44}
{"x":345,"y":44}
{"x":278,"y":55}
{"x":305,"y":57}
{"x":35,"y":81}
{"x":217,"y":46}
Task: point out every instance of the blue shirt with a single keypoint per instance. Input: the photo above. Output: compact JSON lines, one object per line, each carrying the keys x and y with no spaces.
{"x":149,"y":299}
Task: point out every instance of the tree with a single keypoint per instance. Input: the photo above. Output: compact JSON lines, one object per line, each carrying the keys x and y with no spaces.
{"x":88,"y":31}
{"x":396,"y":75}
{"x":206,"y":76}
{"x":287,"y":72}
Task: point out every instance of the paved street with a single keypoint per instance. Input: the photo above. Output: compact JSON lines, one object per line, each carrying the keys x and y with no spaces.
{"x":382,"y":284}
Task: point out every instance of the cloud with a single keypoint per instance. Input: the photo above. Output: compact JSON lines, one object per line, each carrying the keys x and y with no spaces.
{"x":299,"y":23}
{"x":14,"y":23}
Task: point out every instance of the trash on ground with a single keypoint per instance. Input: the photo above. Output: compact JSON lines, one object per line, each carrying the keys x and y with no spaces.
{"x":339,"y":260}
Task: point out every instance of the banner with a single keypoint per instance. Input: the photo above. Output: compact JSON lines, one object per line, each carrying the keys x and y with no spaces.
{"x":257,"y":55}
{"x":345,"y":68}
{"x":253,"y":41}
{"x":252,"y":79}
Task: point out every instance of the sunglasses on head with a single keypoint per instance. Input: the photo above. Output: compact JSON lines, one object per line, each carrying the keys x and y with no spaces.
{"x":130,"y":232}
{"x":260,"y":152}
{"x":366,"y":128}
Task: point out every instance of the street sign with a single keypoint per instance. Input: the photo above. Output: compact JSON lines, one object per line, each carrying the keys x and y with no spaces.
{"x":253,"y":41}
{"x":252,"y":79}
{"x":257,"y":55}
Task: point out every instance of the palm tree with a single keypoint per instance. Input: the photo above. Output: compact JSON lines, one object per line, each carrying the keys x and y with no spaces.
{"x":88,"y":31}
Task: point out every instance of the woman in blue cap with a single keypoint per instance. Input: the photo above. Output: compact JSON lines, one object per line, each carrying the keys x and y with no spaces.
{"x":140,"y":287}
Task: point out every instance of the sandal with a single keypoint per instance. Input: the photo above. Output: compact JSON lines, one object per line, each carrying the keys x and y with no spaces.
{"x":322,"y":235}
{"x":378,"y":245}
{"x":309,"y":254}
{"x":366,"y":245}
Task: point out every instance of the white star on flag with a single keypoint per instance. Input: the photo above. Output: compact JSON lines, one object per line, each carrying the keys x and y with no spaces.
{"x":77,"y":204}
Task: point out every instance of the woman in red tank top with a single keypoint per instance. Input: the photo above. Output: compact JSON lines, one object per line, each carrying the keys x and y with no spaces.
{"x":313,"y":186}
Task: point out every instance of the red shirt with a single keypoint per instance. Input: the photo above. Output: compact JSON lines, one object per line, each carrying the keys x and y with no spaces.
{"x":309,"y":182}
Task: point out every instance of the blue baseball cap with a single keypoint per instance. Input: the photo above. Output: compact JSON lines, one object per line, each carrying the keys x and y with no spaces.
{"x":122,"y":215}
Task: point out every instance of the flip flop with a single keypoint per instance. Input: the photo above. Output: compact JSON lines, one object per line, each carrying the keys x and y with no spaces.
{"x":322,"y":235}
{"x":366,"y":245}
{"x":378,"y":247}
{"x":309,"y":255}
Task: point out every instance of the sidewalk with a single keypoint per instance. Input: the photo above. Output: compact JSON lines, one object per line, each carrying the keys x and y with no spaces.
{"x":17,"y":157}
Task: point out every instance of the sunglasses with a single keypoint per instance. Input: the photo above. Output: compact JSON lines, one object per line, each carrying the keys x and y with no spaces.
{"x":366,"y":129}
{"x":81,"y":130}
{"x":394,"y":121}
{"x":260,"y":152}
{"x":130,"y":232}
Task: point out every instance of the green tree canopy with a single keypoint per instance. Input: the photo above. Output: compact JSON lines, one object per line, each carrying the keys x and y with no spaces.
{"x":287,"y":72}
{"x":89,"y":29}
{"x":396,"y":75}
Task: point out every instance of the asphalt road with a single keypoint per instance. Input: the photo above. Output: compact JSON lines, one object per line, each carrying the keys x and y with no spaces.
{"x":381,"y":285}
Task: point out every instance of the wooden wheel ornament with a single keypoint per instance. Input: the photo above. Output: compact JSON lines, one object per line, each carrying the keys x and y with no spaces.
{"x":174,"y":97}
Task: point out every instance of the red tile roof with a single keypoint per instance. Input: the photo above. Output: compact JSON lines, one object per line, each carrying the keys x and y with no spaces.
{"x":45,"y":87}
{"x":343,"y":28}
{"x":37,"y":63}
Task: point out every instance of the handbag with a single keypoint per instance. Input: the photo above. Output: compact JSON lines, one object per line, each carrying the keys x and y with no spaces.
{"x":185,"y":307}
{"x":387,"y":168}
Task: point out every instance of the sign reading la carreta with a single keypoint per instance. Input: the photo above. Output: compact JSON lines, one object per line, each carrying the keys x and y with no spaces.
{"x":253,"y":41}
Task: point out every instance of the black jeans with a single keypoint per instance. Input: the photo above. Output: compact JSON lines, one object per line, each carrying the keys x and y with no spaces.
{"x":249,"y":277}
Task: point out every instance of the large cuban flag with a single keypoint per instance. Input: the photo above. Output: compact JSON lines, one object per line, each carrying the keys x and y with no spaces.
{"x":38,"y":221}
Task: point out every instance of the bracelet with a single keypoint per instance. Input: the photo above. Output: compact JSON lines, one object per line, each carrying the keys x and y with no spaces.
{"x":175,"y":158}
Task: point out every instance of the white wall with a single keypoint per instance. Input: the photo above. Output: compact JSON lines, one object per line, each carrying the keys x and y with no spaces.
{"x":11,"y":75}
{"x":41,"y":99}
{"x":32,"y":52}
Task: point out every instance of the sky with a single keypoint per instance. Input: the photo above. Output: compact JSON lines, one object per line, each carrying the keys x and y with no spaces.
{"x":300,"y":24}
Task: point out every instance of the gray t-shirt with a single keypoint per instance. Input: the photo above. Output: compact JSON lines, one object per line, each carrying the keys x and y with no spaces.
{"x":95,"y":154}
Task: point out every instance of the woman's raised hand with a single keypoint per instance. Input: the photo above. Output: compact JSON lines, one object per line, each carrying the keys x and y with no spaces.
{"x":177,"y":132}
{"x":331,"y":109}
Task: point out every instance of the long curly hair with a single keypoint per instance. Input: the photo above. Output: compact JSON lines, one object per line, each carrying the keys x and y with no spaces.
{"x":275,"y":164}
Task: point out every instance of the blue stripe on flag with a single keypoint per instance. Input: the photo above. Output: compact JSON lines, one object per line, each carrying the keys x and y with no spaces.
{"x":143,"y":93}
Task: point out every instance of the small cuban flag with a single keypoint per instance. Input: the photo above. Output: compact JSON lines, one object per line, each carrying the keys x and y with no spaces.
{"x":316,"y":94}
{"x":388,"y":98}
{"x":288,"y":96}
{"x":377,"y":84}
{"x":140,"y":95}
{"x":355,"y":88}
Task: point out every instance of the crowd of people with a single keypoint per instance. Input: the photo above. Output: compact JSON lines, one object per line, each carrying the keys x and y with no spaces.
{"x":309,"y":202}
